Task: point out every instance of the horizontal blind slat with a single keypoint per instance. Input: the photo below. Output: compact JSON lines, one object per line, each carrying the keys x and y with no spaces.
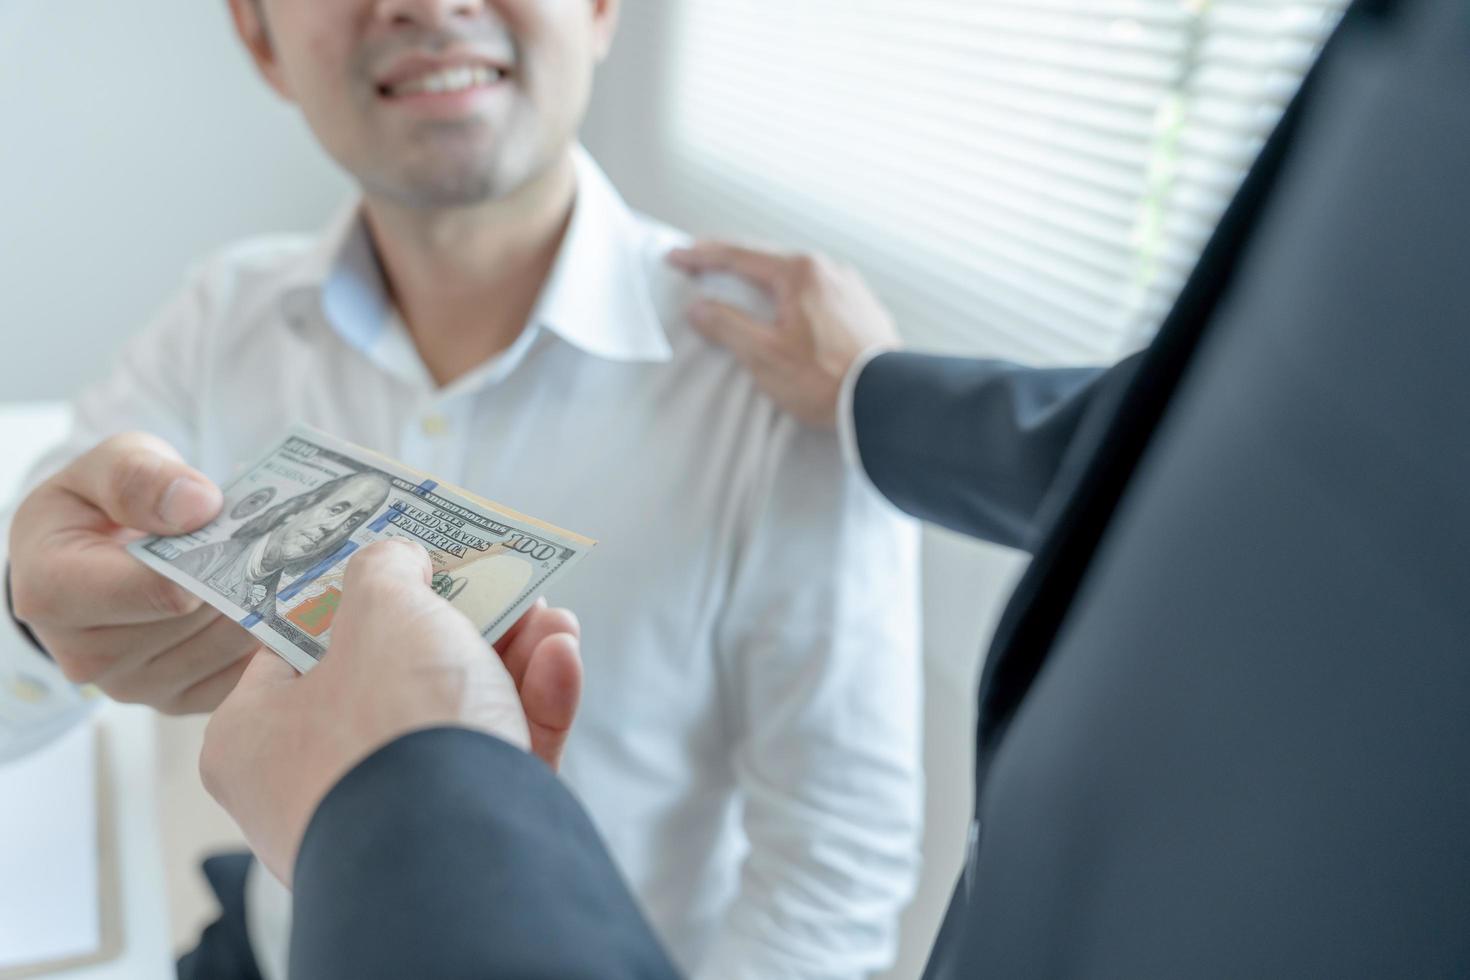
{"x":1045,"y":170}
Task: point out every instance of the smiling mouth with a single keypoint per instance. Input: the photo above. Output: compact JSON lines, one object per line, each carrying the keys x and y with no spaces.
{"x":446,"y":81}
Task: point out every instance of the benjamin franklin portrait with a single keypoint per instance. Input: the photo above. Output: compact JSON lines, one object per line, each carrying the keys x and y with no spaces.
{"x":289,"y":538}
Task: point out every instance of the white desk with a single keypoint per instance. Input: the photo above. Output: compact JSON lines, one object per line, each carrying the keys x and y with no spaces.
{"x":25,"y":432}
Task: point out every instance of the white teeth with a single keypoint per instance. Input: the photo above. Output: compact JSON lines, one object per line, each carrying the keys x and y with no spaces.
{"x":449,"y":80}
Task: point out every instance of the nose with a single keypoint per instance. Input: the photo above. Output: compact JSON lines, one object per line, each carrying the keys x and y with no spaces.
{"x":427,"y":13}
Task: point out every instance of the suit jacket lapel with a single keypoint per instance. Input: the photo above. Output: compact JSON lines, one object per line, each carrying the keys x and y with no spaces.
{"x":1127,"y":418}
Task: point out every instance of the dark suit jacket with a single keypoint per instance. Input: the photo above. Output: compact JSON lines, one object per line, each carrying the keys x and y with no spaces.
{"x":1226,"y":719}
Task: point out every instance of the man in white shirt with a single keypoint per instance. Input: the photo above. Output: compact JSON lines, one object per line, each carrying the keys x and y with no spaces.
{"x":493,"y":313}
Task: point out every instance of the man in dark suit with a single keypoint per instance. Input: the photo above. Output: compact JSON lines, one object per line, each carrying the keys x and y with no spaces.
{"x":1225,"y":723}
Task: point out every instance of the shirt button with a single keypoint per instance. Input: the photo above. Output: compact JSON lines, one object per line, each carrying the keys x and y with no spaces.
{"x":435,"y":426}
{"x":28,"y":690}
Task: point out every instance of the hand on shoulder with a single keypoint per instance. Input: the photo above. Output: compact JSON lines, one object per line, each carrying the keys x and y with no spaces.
{"x":826,"y":318}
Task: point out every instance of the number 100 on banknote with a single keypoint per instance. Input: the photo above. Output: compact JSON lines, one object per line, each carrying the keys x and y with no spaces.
{"x":275,"y":558}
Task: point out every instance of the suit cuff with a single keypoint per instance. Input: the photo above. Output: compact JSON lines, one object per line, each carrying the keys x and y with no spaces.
{"x":37,"y":702}
{"x":846,"y":419}
{"x":22,"y":628}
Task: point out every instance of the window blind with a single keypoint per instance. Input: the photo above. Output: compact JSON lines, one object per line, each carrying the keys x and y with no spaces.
{"x":1029,"y":179}
{"x":1248,"y":61}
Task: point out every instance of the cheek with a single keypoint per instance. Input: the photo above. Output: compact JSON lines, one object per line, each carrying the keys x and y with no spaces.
{"x":323,"y":71}
{"x":524,"y":18}
{"x":316,"y":66}
{"x":555,"y":37}
{"x":561,"y":79}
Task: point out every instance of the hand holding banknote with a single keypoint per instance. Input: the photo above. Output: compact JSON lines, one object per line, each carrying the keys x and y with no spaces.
{"x":274,"y":560}
{"x":105,"y":618}
{"x":111,"y":558}
{"x":401,"y":659}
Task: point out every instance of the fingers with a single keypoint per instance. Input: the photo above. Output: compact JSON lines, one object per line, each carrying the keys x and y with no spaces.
{"x":551,"y":691}
{"x":163,"y":680}
{"x":731,"y":328}
{"x":542,"y":655}
{"x":208,"y":694}
{"x":86,"y":655}
{"x":518,"y":646}
{"x":81,"y":581}
{"x":509,"y":637}
{"x":138,"y":481}
{"x":766,"y":269}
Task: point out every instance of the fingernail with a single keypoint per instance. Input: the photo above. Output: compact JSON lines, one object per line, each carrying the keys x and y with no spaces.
{"x":187,"y":504}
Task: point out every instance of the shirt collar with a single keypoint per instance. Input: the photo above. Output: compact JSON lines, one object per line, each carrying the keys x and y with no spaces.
{"x":597,"y":297}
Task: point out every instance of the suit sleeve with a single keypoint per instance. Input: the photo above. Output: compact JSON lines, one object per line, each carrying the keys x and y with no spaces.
{"x":972,"y":445}
{"x":451,"y":854}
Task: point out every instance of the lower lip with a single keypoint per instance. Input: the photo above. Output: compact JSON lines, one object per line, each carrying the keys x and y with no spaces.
{"x":446,"y":104}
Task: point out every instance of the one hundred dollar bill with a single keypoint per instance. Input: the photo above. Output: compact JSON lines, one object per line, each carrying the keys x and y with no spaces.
{"x":275,"y":558}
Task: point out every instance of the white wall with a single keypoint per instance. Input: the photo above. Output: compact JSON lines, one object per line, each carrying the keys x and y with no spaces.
{"x":134,"y":137}
{"x":965,"y":583}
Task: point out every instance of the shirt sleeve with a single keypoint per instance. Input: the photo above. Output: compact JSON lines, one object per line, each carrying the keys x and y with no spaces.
{"x":151,"y":388}
{"x":821,"y":645}
{"x":37,"y":703}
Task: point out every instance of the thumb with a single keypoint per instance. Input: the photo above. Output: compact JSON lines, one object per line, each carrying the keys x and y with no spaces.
{"x":391,"y":565}
{"x":384,"y":584}
{"x":138,"y":481}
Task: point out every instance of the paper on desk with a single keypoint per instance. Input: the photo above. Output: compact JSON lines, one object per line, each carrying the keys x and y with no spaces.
{"x":49,"y":883}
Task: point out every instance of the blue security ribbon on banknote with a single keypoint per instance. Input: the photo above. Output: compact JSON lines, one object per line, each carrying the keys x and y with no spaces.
{"x":275,"y":559}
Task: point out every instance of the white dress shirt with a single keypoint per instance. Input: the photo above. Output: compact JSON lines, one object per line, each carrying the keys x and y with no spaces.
{"x":748,"y":743}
